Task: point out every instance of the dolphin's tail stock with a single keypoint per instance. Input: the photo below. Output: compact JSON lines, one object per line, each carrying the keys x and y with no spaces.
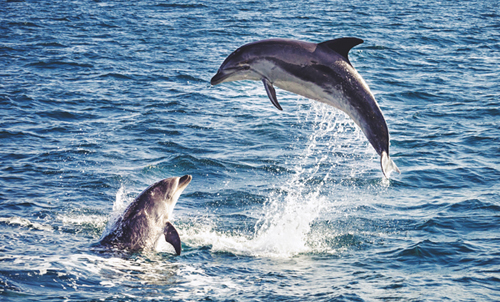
{"x":388,"y":165}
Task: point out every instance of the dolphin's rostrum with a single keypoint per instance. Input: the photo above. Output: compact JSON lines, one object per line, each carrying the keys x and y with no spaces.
{"x":321,"y":72}
{"x":147,"y":218}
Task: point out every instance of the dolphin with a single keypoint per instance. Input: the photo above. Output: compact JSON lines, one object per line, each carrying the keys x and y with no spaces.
{"x":321,"y":72}
{"x":147,"y":218}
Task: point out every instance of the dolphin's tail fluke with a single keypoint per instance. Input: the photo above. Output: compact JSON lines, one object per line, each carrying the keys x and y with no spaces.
{"x":388,"y":165}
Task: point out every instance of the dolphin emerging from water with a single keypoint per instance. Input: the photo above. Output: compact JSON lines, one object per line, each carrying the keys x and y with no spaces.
{"x":147,"y":218}
{"x":321,"y":72}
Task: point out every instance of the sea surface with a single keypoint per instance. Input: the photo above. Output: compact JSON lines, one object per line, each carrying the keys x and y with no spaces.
{"x":100,"y":99}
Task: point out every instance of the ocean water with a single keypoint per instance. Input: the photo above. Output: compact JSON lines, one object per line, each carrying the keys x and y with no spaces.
{"x":100,"y":99}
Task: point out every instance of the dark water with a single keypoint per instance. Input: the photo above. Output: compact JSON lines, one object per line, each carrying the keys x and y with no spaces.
{"x":99,"y":99}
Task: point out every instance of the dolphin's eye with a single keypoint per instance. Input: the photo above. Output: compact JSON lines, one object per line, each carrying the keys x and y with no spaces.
{"x":243,"y":66}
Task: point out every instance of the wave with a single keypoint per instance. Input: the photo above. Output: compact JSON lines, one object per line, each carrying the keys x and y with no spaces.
{"x":181,"y":5}
{"x":23,"y":222}
{"x":442,"y":253}
{"x":59,"y":64}
{"x":117,"y":76}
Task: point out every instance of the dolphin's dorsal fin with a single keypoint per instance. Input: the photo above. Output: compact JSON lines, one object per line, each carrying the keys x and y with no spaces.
{"x":342,"y":45}
{"x":271,"y":93}
{"x":172,"y":237}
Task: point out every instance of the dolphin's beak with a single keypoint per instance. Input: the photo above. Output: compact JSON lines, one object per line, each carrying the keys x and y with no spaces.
{"x":219,"y":77}
{"x":184,"y":181}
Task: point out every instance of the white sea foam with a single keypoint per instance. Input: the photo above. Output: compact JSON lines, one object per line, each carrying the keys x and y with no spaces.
{"x":26,"y":223}
{"x":96,"y":221}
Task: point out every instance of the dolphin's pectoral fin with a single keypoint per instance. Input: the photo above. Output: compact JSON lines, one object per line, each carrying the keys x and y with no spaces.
{"x":342,"y":45}
{"x":172,"y":237}
{"x":271,"y":93}
{"x":388,"y":165}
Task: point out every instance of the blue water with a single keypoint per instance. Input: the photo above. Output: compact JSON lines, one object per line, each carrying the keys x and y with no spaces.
{"x":100,"y":99}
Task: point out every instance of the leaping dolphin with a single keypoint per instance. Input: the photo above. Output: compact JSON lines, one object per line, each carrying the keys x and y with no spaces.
{"x":321,"y":72}
{"x":147,"y":218}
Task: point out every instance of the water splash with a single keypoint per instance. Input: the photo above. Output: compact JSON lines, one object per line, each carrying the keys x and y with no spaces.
{"x":284,"y":229}
{"x":121,"y":201}
{"x":119,"y":206}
